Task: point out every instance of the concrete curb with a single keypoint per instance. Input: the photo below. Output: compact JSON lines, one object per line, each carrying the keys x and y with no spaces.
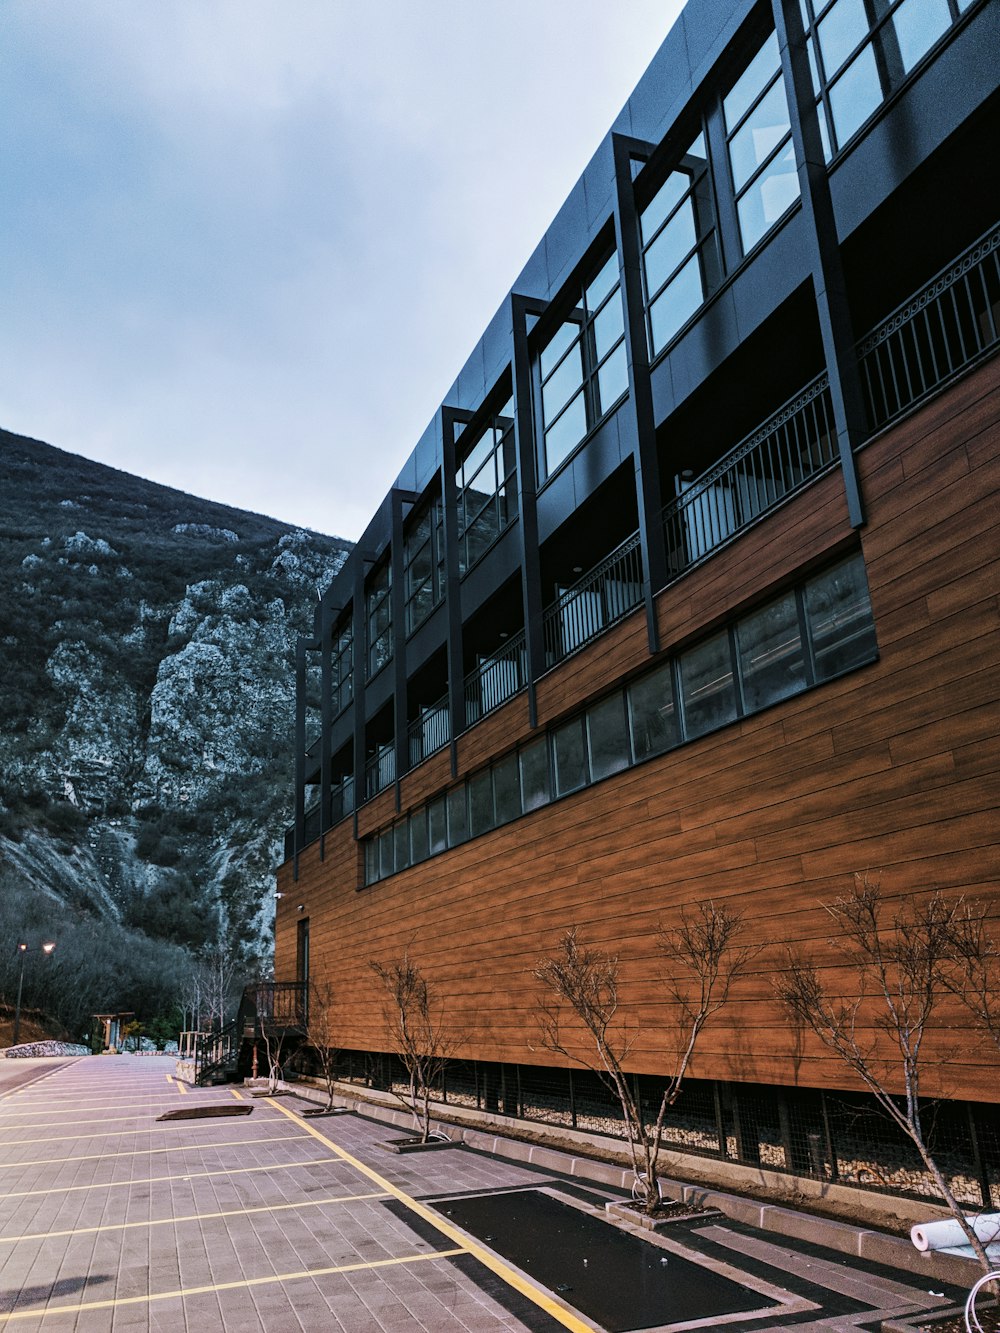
{"x":875,"y":1246}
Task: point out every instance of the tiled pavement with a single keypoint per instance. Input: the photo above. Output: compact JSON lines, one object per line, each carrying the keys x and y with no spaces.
{"x":110,"y":1220}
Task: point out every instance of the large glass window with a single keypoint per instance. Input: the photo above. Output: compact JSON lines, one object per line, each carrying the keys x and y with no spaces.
{"x":342,"y":667}
{"x":378,"y":605}
{"x":861,"y":50}
{"x":840,"y":618}
{"x":761,"y":154}
{"x":653,"y":713}
{"x":582,"y":366}
{"x":423,"y":563}
{"x":818,"y":629}
{"x":486,"y":482}
{"x":679,"y":247}
{"x":708,"y":690}
{"x":772,"y":660}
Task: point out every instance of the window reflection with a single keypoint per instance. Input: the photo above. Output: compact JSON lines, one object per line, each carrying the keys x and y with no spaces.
{"x":761,"y":155}
{"x":486,"y":485}
{"x":582,"y":366}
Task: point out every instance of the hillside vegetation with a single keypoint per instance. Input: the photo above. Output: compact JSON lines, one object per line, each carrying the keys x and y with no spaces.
{"x":146,"y":705}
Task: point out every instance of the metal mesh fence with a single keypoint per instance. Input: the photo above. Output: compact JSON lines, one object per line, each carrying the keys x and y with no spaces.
{"x":829,"y":1136}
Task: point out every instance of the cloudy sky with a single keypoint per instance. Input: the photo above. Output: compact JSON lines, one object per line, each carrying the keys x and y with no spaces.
{"x":248,"y":244}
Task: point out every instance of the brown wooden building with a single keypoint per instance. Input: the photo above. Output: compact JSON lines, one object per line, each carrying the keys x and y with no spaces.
{"x":690,"y":590}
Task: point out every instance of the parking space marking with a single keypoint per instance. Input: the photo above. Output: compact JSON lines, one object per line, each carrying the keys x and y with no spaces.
{"x":41,"y":1312}
{"x":193,"y":1217}
{"x":166,"y":1127}
{"x":238,"y":1095}
{"x":146,"y":1152}
{"x":155,"y":1180}
{"x":466,"y":1245}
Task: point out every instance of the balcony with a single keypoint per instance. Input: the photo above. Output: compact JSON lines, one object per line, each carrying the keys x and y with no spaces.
{"x":789,"y":450}
{"x":496,"y":679}
{"x":380,"y":770}
{"x":429,"y":733}
{"x":598,"y":600}
{"x":946,"y":327}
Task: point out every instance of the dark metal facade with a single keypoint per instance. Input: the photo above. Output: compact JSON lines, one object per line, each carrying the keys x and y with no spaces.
{"x":765,"y":378}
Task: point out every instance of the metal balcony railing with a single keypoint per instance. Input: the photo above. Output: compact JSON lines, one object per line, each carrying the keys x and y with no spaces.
{"x":787,"y":451}
{"x":380,"y":771}
{"x":275,"y":1004}
{"x":341,"y":799}
{"x":429,"y":733}
{"x":595,"y":602}
{"x":496,"y":679}
{"x":942,"y":330}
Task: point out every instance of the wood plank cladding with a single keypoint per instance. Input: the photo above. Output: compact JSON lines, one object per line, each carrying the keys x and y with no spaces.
{"x":893,"y":769}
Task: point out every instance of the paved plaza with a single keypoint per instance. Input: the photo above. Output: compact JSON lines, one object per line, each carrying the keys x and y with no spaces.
{"x":111,"y":1219}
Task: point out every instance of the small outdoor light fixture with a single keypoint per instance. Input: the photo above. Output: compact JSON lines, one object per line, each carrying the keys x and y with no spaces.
{"x":22,"y":950}
{"x":301,"y":907}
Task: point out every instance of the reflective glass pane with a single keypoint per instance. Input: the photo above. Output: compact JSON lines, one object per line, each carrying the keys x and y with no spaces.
{"x":855,"y":95}
{"x":562,"y":438}
{"x":608,"y":737}
{"x":477,"y":456}
{"x":386,"y":862}
{"x":612,"y":379}
{"x":401,"y":832}
{"x":480,"y":803}
{"x":505,"y":416}
{"x":843,"y":28}
{"x":652,"y":713}
{"x":571,"y":758}
{"x":507,"y":454}
{"x":676,"y":304}
{"x":563,"y":383}
{"x":698,"y":149}
{"x":919,"y":23}
{"x":371,"y":861}
{"x":557,"y":344}
{"x":707,"y":686}
{"x":536,"y":787}
{"x":418,"y":836}
{"x":759,"y":135}
{"x":458,"y":816}
{"x":752,"y":81}
{"x":840,"y":618}
{"x":609,"y":326}
{"x":674,"y":242}
{"x":769,"y":198}
{"x":506,"y":790}
{"x":662,"y":203}
{"x":772,"y":664}
{"x":437,"y":824}
{"x":602,"y":284}
{"x":813,"y":68}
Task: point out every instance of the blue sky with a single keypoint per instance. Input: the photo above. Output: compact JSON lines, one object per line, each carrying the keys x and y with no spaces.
{"x":248,"y":244}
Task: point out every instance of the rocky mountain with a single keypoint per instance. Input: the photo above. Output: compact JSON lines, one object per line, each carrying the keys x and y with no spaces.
{"x":147,"y":695}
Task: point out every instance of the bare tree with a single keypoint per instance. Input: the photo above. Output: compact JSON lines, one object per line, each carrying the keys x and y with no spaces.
{"x":705,"y":957}
{"x":880,"y":1028}
{"x":419,"y":1036}
{"x":971,"y":972}
{"x":321,"y":1032}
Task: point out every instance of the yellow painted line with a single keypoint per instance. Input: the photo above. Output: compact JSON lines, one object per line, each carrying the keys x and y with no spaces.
{"x":41,"y":1311}
{"x":181,"y":1087}
{"x":192,"y":1217}
{"x":467,"y":1246}
{"x":148,"y":1152}
{"x":236,"y":1094}
{"x":156,"y":1180}
{"x":169,"y":1078}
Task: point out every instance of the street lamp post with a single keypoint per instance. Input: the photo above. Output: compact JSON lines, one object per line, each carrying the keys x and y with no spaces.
{"x":22,"y":949}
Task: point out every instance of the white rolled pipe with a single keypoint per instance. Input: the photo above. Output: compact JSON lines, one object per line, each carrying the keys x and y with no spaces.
{"x":948,"y":1234}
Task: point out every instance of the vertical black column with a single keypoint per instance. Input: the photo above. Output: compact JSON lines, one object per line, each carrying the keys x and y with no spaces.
{"x":450,"y":419}
{"x":527,"y":485}
{"x":325,"y":618}
{"x":846,"y":392}
{"x":399,"y":639}
{"x":646,"y":462}
{"x":362,"y":564}
{"x":303,"y":644}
